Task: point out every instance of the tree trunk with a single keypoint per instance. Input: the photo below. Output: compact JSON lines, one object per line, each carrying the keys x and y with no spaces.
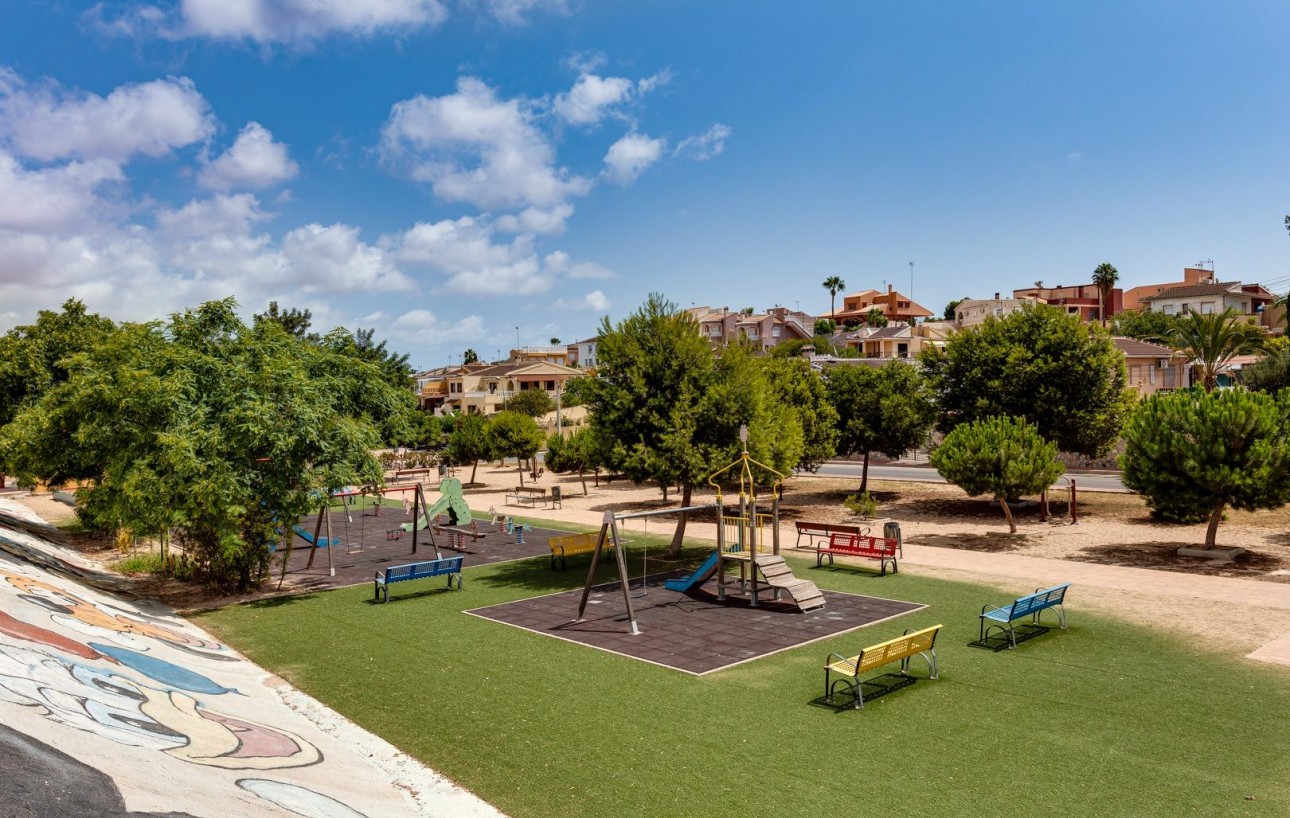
{"x":1215,"y":518}
{"x":582,"y":475}
{"x":519,"y":462}
{"x":674,"y":550}
{"x":664,"y":487}
{"x":1007,"y":512}
{"x":473,"y":468}
{"x":864,"y":475}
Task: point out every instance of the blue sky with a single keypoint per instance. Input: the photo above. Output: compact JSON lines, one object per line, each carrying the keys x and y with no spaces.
{"x":448,"y":171}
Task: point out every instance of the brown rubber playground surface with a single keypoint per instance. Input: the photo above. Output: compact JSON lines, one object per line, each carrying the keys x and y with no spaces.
{"x":364,"y":549}
{"x":694,"y":634}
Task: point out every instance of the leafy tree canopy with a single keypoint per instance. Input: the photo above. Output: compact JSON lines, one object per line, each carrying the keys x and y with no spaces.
{"x":1156,"y":327}
{"x":514,"y":434}
{"x":1211,"y":341}
{"x":1194,"y":454}
{"x":469,"y":357}
{"x":888,"y":409}
{"x":208,"y":428}
{"x":578,"y":453}
{"x":1003,"y":457}
{"x":1270,"y":375}
{"x":951,"y":309}
{"x":1065,"y":377}
{"x":531,"y":402}
{"x":469,"y":442}
{"x":34,"y":358}
{"x":794,"y":384}
{"x":875,"y":318}
{"x":295,"y":321}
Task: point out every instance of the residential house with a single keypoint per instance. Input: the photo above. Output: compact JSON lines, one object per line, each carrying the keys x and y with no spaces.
{"x":896,"y":307}
{"x":897,"y":340}
{"x":1152,"y":367}
{"x":583,"y":353}
{"x":1082,"y":300}
{"x":550,"y":355}
{"x":763,"y":330}
{"x":432,"y":387}
{"x":1191,"y":275}
{"x":484,"y":388}
{"x":973,"y":311}
{"x":1248,"y":300}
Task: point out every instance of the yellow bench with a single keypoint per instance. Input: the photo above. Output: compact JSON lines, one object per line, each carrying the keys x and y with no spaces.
{"x":901,"y":649}
{"x":563,"y":547}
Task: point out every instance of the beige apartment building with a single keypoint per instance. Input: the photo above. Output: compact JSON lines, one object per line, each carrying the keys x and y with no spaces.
{"x":722,"y":326}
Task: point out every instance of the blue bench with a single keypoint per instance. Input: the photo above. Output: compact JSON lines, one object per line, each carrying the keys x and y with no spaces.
{"x":449,"y":567}
{"x":1031,"y":605}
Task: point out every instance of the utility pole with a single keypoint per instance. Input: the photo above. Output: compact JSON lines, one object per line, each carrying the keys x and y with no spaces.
{"x":911,"y":281}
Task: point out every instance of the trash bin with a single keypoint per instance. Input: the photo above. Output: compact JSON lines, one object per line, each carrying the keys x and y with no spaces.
{"x":443,"y":470}
{"x":557,"y":500}
{"x":891,"y":531}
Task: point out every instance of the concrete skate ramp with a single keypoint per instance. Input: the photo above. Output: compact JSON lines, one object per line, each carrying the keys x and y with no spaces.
{"x":114,"y":707}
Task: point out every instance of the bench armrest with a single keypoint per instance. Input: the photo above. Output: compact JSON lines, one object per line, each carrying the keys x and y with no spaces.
{"x":987,"y":608}
{"x":829,"y":659}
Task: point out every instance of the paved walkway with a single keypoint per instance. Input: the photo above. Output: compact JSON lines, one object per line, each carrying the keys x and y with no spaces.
{"x":1243,"y":593}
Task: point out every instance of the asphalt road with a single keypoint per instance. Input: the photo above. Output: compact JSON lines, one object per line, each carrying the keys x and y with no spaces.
{"x":925,"y":474}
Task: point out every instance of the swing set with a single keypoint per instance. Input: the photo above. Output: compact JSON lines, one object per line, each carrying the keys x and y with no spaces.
{"x":741,"y":541}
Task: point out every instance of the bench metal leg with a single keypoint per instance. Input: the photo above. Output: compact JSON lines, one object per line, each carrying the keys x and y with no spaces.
{"x":929,"y":656}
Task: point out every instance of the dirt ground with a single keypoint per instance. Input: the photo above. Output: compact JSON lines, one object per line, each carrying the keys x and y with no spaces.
{"x":1113,"y":529}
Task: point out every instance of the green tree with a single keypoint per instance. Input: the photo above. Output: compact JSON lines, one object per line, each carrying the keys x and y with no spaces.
{"x":951,"y":309}
{"x":824,"y":326}
{"x":1104,"y":278}
{"x":34,"y":358}
{"x":1270,"y":375}
{"x":888,"y":409}
{"x":1192,"y":455}
{"x":513,"y":434}
{"x":469,"y":443}
{"x":1000,"y":456}
{"x":469,"y":357}
{"x":1211,"y":341}
{"x":671,"y":411}
{"x":835,"y":285}
{"x":208,"y":428}
{"x":794,"y":384}
{"x":1065,"y":377}
{"x":295,"y":321}
{"x":1156,"y":327}
{"x":531,"y":402}
{"x":575,"y":391}
{"x":578,"y":453}
{"x":875,"y":318}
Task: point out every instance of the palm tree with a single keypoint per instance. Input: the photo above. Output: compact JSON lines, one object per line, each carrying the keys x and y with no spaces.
{"x":834,"y":284}
{"x":1104,"y":278}
{"x":1211,"y":341}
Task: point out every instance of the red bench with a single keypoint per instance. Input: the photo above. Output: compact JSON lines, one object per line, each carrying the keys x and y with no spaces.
{"x":859,"y":545}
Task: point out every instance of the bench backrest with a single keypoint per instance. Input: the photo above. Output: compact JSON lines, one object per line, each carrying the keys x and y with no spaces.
{"x":574,"y":542}
{"x":893,"y":650}
{"x":420,"y":570}
{"x":530,"y":490}
{"x":1039,"y":600}
{"x":826,"y":528}
{"x":863,"y":544}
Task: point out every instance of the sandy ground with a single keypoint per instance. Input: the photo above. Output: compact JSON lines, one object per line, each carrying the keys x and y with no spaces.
{"x":1234,"y":607}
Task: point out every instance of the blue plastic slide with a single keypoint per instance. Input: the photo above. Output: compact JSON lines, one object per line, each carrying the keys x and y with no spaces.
{"x":701,"y":575}
{"x":323,"y":542}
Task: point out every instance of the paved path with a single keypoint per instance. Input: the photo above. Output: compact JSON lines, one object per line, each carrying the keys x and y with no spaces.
{"x":1085,"y":481}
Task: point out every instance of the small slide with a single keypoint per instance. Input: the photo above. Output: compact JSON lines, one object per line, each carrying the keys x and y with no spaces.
{"x":323,"y":542}
{"x":701,"y":575}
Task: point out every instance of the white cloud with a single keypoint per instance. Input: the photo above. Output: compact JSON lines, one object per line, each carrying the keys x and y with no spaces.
{"x":594,"y":300}
{"x":514,"y":12}
{"x":590,"y":97}
{"x":221,"y":214}
{"x":559,"y":262}
{"x":51,"y":198}
{"x":424,"y":327}
{"x":704,"y":146}
{"x":537,"y":220}
{"x":152,"y":118}
{"x":254,"y":161}
{"x":631,"y":156}
{"x":472,"y":263}
{"x":269,"y":21}
{"x":333,"y":258}
{"x":1074,"y":157}
{"x":472,"y":147}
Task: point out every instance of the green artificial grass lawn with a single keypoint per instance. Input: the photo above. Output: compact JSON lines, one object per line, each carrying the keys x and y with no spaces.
{"x":1105,"y":718}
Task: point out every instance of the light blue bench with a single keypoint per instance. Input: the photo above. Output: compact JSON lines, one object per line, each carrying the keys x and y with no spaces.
{"x":1032,"y":605}
{"x":448,"y":566}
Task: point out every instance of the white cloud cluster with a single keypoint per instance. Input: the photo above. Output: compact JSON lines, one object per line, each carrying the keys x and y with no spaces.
{"x":594,"y":97}
{"x":516,"y":12}
{"x":473,"y":147}
{"x":630,"y":156}
{"x":47,"y":123}
{"x":254,"y":161}
{"x":596,"y":301}
{"x":268,"y":21}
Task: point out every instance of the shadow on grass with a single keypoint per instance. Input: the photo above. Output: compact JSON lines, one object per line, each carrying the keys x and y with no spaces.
{"x":537,"y":576}
{"x":281,"y":601}
{"x":843,"y":698}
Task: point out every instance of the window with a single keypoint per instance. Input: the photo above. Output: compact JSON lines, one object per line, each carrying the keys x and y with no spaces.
{"x":1207,"y":308}
{"x":550,"y":386}
{"x":492,"y":388}
{"x":1168,"y":309}
{"x":774,"y":332}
